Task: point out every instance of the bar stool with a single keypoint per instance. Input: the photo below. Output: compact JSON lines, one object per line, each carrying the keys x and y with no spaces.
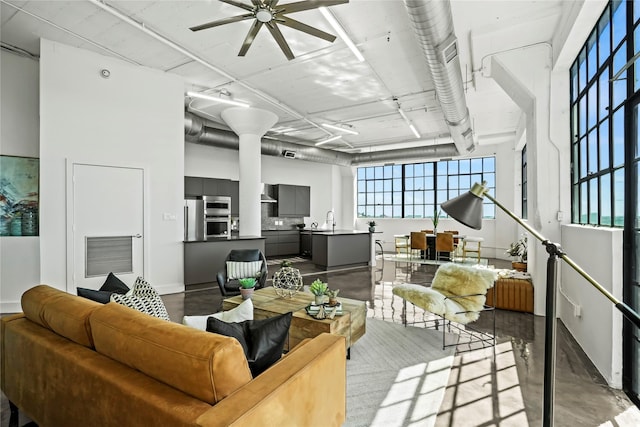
{"x":476,"y":246}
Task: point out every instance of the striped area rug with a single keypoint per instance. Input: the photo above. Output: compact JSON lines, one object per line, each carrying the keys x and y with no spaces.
{"x":396,"y":376}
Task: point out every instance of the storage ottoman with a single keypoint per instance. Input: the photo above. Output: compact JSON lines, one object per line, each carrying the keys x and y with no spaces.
{"x":513,"y":291}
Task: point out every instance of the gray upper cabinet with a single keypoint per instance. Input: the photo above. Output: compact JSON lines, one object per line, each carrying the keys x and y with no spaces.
{"x":294,"y":200}
{"x":192,"y":186}
{"x":198,"y":187}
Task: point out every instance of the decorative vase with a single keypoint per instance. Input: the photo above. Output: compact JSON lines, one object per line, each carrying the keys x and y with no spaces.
{"x":16,"y":226}
{"x":30,"y":223}
{"x":246,"y":292}
{"x":333,"y":301}
{"x":287,"y":282}
{"x":372,"y":229}
{"x":319,"y":299}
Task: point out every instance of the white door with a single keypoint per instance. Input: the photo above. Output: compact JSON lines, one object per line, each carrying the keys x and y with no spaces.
{"x":107,"y":224}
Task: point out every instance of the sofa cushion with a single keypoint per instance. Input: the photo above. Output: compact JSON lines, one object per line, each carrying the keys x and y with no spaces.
{"x":102,"y":297}
{"x":262,"y":340}
{"x":63,"y":313}
{"x":112,"y":285}
{"x":144,"y":298}
{"x":206,"y":366}
{"x":240,"y":270}
{"x":238,"y":314}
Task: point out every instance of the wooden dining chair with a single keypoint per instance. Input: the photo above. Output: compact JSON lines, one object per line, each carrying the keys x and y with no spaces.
{"x":427,"y":231}
{"x":444,"y":243}
{"x":418,"y":241}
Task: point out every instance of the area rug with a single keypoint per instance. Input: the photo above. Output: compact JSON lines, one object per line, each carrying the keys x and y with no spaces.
{"x":396,"y":376}
{"x":418,"y":260}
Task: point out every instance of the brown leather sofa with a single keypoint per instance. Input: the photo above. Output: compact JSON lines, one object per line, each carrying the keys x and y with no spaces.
{"x":68,"y":361}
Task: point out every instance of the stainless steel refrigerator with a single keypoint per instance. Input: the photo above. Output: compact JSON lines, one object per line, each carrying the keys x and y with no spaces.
{"x":193,"y":220}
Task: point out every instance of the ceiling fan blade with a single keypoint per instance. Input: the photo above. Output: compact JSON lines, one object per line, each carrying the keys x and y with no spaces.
{"x":222,"y":22}
{"x":297,"y":25}
{"x":251,"y":35}
{"x":308,"y":4}
{"x":275,"y":32}
{"x":238,"y":4}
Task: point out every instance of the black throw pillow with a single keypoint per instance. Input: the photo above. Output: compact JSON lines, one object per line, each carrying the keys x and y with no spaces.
{"x":99,"y":296}
{"x":114,"y":285}
{"x":262,"y":340}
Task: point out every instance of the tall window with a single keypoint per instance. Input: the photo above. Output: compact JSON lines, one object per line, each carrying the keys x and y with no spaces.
{"x":605,"y":152}
{"x":597,"y":122}
{"x":524,"y":182}
{"x":416,"y":190}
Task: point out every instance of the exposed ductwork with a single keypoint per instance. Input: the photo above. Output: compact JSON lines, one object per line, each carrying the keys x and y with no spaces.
{"x":433,"y":23}
{"x":198,"y":132}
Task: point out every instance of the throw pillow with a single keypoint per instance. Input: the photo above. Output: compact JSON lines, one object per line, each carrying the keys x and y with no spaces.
{"x":111,"y":285}
{"x":99,"y":296}
{"x":144,"y":298}
{"x":114,"y":284}
{"x":239,"y":270}
{"x":262,"y":340}
{"x":239,"y":314}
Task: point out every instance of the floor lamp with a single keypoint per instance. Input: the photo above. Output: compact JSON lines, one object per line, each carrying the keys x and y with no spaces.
{"x":467,"y":209}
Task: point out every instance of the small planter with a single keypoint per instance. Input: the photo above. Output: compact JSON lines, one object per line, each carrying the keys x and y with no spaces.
{"x":246,"y":293}
{"x":519,"y":266}
{"x":333,"y":301}
{"x":319,"y":299}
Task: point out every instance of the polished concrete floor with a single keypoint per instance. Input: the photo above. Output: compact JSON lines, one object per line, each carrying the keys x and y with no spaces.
{"x":485,"y":389}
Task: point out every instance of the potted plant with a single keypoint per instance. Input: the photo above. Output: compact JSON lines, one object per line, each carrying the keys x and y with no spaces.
{"x":435,"y":220}
{"x":287,"y":281}
{"x":333,"y":296}
{"x":518,"y":249}
{"x":247,"y":286}
{"x":372,"y":226}
{"x":318,"y":288}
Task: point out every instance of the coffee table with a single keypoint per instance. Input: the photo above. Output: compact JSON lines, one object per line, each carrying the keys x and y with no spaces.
{"x":266,"y":303}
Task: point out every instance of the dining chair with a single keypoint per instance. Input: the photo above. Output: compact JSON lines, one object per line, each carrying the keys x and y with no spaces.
{"x":401,"y":243}
{"x":444,"y":243}
{"x":418,"y":241}
{"x":456,"y":240}
{"x":427,"y":231}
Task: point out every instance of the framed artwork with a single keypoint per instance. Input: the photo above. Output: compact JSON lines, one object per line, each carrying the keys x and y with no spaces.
{"x":19,"y":195}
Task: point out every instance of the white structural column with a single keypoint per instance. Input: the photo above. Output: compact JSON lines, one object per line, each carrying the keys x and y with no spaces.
{"x":250,"y":124}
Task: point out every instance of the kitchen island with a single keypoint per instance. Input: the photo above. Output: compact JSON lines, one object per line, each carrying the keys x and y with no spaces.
{"x":340,"y":248}
{"x":203,"y":259}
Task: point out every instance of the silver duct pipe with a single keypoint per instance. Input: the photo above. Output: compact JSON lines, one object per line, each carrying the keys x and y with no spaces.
{"x":433,"y":23}
{"x":198,"y":132}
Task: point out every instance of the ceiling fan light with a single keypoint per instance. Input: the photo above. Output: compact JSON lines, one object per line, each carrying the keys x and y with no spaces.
{"x":264,"y":15}
{"x":219,"y":100}
{"x":341,"y":32}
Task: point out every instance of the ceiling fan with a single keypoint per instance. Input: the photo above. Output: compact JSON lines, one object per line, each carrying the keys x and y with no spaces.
{"x":269,"y":13}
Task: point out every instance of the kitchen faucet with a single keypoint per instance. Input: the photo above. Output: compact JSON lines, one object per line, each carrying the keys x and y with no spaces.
{"x":333,"y":219}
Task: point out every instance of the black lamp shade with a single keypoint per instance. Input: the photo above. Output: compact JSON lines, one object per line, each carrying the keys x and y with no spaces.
{"x":466,"y":209}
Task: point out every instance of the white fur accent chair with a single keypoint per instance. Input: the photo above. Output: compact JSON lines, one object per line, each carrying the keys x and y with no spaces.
{"x":457,"y":294}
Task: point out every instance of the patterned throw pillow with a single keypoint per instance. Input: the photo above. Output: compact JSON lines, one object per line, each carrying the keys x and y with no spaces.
{"x":239,"y":270}
{"x":144,"y":298}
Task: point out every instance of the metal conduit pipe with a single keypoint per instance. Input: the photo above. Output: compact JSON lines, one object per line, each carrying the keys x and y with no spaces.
{"x":433,"y":24}
{"x":198,"y":132}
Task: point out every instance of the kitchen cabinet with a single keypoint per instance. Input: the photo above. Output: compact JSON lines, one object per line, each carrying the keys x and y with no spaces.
{"x":197,"y":187}
{"x":294,"y":200}
{"x":192,"y":186}
{"x":281,"y":242}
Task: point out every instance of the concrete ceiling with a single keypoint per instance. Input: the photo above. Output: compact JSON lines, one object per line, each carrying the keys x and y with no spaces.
{"x":325,"y":83}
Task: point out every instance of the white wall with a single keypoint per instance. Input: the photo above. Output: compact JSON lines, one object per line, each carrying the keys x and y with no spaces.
{"x":598,"y":329}
{"x":135,"y":117}
{"x":19,"y":136}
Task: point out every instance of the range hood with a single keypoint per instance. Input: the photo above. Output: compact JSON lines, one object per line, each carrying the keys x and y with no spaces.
{"x":264,"y":197}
